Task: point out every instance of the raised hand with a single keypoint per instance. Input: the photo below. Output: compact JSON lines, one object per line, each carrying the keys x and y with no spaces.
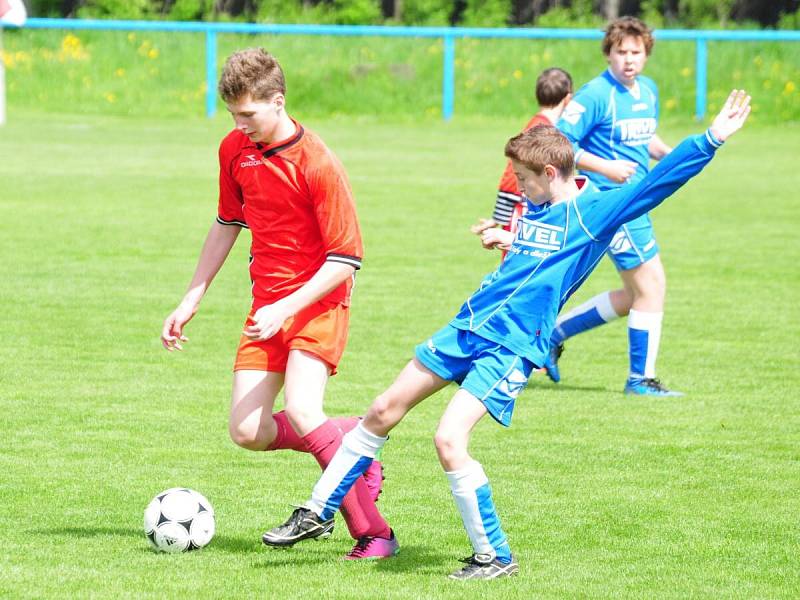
{"x":732,"y":116}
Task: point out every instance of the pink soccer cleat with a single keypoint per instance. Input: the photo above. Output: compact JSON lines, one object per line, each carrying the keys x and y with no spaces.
{"x":374,"y":547}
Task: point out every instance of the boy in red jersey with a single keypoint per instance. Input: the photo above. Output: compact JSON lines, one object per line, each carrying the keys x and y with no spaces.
{"x":553,"y":93}
{"x":280,"y":181}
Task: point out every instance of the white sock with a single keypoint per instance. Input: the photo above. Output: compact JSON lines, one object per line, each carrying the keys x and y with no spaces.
{"x":644,"y":338}
{"x":357,"y":451}
{"x":473,"y":496}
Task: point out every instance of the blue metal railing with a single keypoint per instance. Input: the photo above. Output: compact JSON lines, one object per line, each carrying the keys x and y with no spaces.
{"x":447,"y":34}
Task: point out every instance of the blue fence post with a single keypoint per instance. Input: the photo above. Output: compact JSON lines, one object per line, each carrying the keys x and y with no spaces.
{"x":701,"y":78}
{"x":211,"y":72}
{"x":449,"y":80}
{"x":447,"y":34}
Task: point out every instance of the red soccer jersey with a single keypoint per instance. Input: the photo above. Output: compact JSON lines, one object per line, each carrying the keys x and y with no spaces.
{"x":295,"y":198}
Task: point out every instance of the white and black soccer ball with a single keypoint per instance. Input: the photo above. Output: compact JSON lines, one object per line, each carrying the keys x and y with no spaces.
{"x":179,"y":519}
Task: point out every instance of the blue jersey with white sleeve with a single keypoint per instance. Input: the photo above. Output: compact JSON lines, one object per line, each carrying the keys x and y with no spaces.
{"x":557,"y":247}
{"x":613,"y":122}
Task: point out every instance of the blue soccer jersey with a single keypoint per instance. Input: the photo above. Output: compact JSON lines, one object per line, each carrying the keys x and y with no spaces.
{"x":613,"y":122}
{"x":558,"y":246}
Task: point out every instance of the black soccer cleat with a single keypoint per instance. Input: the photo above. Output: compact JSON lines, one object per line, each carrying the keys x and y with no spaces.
{"x":483,"y":566}
{"x":304,"y":524}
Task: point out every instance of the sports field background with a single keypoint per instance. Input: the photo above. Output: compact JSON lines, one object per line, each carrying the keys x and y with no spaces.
{"x":163,"y":73}
{"x":602,"y":495}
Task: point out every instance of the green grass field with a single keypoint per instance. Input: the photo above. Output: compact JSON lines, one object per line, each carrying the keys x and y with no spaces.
{"x":602,"y":495}
{"x":158,"y":73}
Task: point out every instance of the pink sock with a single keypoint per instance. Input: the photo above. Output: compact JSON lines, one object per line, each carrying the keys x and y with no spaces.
{"x":358,"y":508}
{"x":288,"y":439}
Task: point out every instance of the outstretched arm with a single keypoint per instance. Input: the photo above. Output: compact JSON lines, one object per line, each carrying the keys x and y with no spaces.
{"x":683,"y":163}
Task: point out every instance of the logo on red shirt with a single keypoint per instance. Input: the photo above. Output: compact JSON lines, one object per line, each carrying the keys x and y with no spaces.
{"x":251,"y":161}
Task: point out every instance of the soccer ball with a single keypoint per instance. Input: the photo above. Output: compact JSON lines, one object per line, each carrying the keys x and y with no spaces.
{"x":179,"y":519}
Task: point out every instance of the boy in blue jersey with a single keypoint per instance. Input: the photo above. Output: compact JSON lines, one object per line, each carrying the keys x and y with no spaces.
{"x":612,"y":122}
{"x":502,"y":331}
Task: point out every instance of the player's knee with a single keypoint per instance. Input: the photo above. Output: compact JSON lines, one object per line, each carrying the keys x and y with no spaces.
{"x":248,"y":436}
{"x":303,"y":416}
{"x":660,"y":283}
{"x":448,"y":446}
{"x":381,"y":412}
{"x":243,"y":436}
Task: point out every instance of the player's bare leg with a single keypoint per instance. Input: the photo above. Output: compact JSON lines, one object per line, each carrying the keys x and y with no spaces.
{"x":414,"y":383}
{"x":491,"y":557}
{"x":306,"y":378}
{"x":250,"y":422}
{"x":357,"y":452}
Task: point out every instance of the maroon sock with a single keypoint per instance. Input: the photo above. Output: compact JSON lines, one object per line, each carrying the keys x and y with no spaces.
{"x":288,"y":439}
{"x":358,"y":508}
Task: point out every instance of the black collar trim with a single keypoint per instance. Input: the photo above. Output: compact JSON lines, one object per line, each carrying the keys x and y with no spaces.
{"x":288,"y":144}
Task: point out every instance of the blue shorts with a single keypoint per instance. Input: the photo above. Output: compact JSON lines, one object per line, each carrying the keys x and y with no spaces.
{"x":633,"y":244}
{"x":490,"y":372}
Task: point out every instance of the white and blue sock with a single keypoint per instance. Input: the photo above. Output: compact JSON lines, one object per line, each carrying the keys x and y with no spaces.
{"x":644,"y":337}
{"x":473,"y":496}
{"x":351,"y":460}
{"x":592,"y":313}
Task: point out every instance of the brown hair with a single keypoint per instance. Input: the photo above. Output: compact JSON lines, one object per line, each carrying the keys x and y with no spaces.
{"x":542,"y":145}
{"x":252,"y":71}
{"x":552,"y":86}
{"x":618,"y":29}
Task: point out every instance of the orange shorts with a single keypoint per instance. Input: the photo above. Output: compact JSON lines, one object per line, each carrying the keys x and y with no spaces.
{"x":319,"y":329}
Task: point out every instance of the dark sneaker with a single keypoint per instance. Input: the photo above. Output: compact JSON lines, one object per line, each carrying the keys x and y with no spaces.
{"x":648,"y":387}
{"x":483,"y":566}
{"x":374,"y":478}
{"x":551,"y":362}
{"x":374,"y":547}
{"x":304,"y":524}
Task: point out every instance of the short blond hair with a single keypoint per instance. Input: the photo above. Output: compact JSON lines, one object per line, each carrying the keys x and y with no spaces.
{"x":618,"y":29}
{"x":253,"y":71}
{"x":542,"y":145}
